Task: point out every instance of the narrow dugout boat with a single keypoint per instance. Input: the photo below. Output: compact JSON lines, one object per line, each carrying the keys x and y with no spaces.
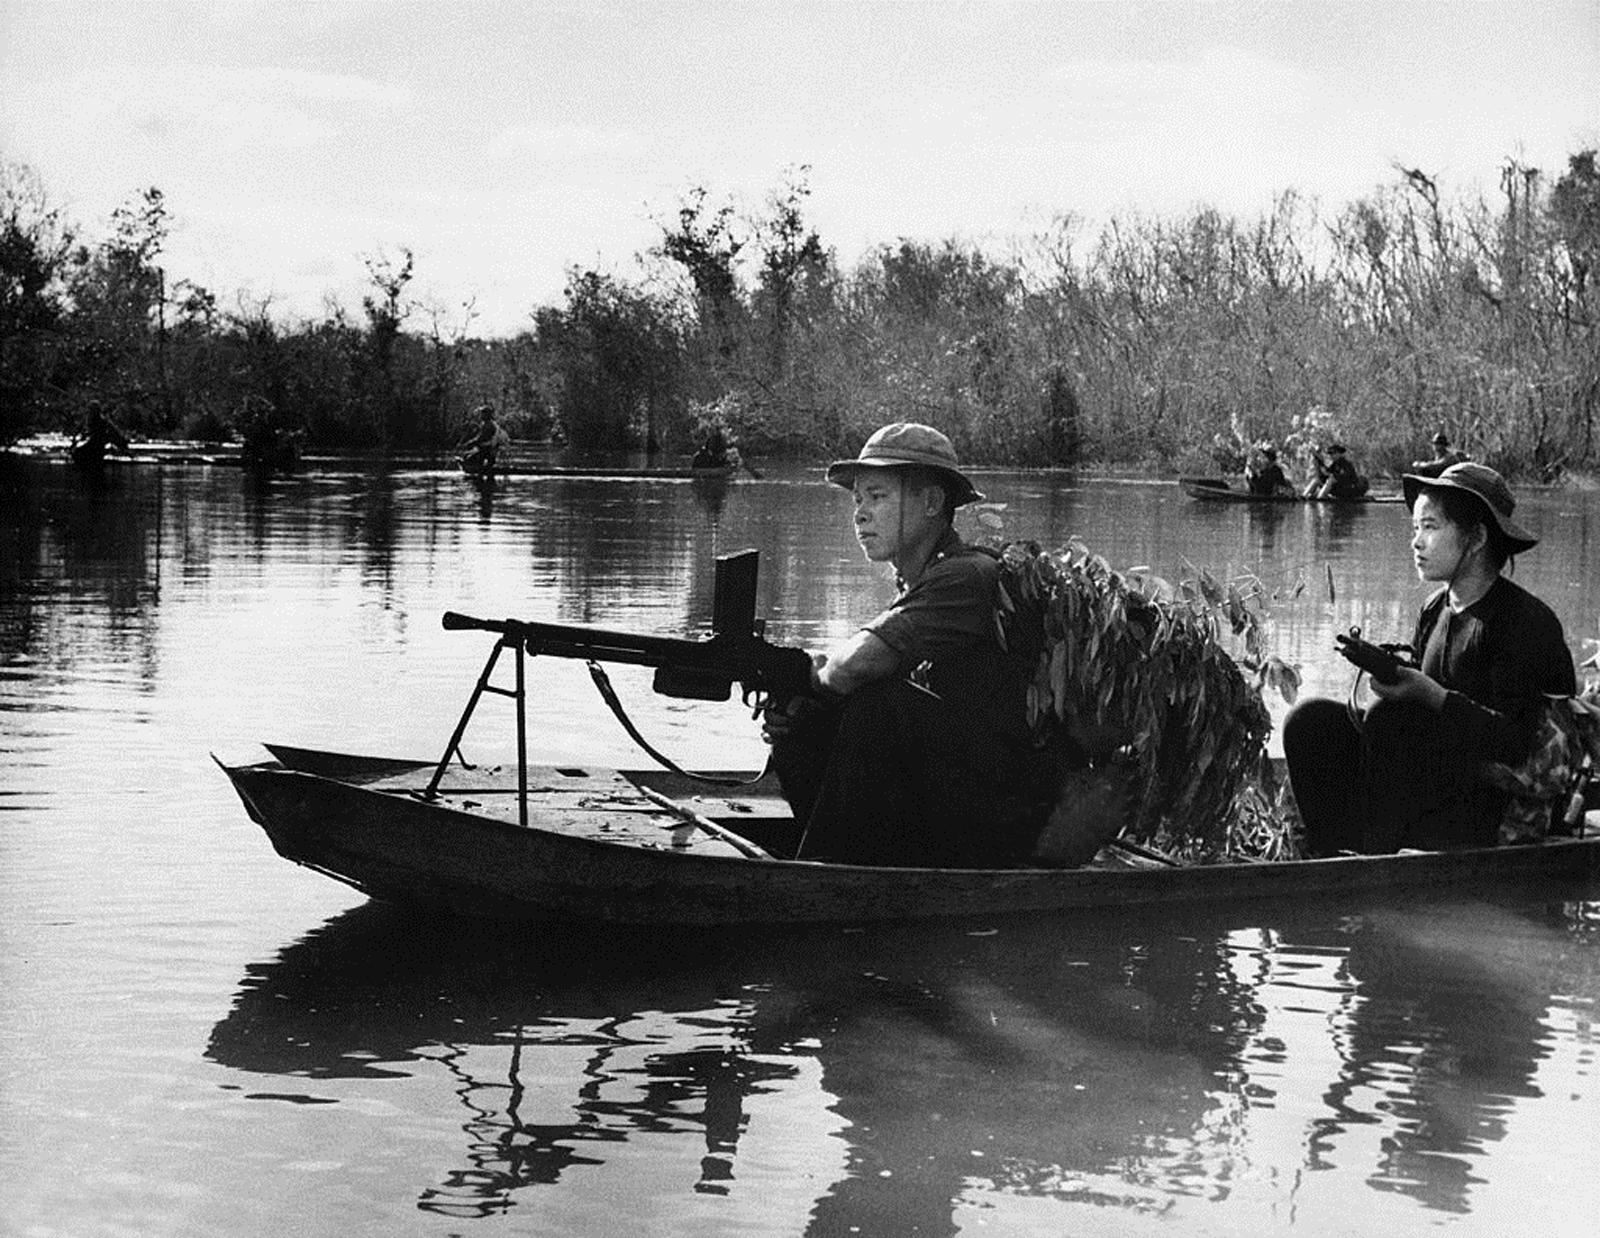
{"x":1216,"y":490}
{"x":578,"y":843}
{"x":615,"y":846}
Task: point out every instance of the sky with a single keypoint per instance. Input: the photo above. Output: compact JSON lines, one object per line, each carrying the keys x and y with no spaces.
{"x":505,"y":143}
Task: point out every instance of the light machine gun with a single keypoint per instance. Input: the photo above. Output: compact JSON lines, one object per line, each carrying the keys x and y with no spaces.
{"x":703,"y":670}
{"x":737,"y":651}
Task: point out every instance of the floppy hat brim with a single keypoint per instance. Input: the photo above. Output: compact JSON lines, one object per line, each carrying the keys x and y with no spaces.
{"x":1412,"y":484}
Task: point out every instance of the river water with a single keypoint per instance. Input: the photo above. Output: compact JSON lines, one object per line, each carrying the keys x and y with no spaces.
{"x":198,"y":1038}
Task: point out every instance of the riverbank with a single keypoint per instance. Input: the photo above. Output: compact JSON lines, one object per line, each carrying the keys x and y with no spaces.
{"x":532,"y":457}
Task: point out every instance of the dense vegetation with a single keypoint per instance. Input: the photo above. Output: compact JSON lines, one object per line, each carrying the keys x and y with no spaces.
{"x":1158,"y":342}
{"x":1145,"y":660}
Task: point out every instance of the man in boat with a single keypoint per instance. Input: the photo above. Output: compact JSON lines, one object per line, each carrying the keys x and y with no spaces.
{"x":1264,"y":475}
{"x":913,"y":747}
{"x":268,"y":443}
{"x":1443,"y":457}
{"x":714,"y":451}
{"x":481,"y":449}
{"x":100,"y":434}
{"x":1342,"y":480}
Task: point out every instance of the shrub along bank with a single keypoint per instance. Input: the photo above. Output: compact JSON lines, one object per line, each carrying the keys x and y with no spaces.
{"x":1157,"y":343}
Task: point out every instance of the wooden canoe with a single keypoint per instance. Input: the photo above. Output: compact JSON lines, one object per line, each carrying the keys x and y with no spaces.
{"x":1216,"y":490}
{"x":609,"y":846}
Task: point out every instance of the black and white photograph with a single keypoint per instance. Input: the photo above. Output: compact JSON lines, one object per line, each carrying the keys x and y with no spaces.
{"x":799,"y":619}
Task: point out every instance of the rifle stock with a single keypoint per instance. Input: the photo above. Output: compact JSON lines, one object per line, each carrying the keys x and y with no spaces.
{"x":736,"y":651}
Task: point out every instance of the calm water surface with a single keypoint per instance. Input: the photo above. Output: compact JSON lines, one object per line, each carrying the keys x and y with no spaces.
{"x":197,"y":1038}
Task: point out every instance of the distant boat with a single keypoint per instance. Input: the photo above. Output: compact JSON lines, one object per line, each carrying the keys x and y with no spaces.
{"x":1217,"y":490}
{"x":684,"y":473}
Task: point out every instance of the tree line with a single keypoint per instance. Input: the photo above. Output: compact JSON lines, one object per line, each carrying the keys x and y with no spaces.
{"x":1155,"y":342}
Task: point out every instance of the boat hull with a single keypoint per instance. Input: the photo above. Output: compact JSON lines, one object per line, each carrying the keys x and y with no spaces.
{"x":373,"y":831}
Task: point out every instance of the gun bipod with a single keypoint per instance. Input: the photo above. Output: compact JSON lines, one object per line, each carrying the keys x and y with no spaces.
{"x":520,"y":695}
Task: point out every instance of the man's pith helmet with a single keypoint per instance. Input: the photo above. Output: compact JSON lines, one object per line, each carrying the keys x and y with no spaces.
{"x":903,"y":444}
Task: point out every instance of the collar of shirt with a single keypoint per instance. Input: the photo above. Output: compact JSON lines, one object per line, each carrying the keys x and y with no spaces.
{"x":947,"y":545}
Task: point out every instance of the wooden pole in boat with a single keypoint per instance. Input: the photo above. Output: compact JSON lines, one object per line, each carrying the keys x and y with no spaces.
{"x":738,"y":842}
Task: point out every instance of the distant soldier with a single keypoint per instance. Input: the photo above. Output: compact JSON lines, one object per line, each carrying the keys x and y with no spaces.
{"x":1443,"y":457}
{"x":714,"y":451}
{"x":1264,"y":475}
{"x":481,"y":448}
{"x":1318,"y":464}
{"x":1342,"y":481}
{"x":100,"y":434}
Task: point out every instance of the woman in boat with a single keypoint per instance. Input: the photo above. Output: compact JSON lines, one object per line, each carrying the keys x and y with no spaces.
{"x":914,"y":746}
{"x":1408,"y":771}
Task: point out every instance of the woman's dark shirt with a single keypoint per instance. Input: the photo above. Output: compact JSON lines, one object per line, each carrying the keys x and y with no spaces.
{"x":1498,"y":659}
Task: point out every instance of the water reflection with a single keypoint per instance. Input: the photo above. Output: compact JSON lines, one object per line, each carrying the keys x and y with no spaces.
{"x":79,"y":567}
{"x":1443,"y":1031}
{"x":1266,"y":520}
{"x":925,"y":1064}
{"x":1084,"y":1060}
{"x":710,"y":495}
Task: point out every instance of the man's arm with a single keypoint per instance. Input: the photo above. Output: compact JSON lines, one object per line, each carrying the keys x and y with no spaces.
{"x":862,"y":659}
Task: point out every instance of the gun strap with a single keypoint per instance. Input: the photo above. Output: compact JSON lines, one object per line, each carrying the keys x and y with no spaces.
{"x":602,"y":681}
{"x":1352,"y":702}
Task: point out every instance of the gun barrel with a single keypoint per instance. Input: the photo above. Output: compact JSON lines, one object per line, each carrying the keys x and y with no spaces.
{"x":564,"y":641}
{"x":455,"y":621}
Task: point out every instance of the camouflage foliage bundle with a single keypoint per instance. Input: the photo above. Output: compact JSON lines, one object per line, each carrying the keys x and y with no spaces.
{"x":1127,"y":659}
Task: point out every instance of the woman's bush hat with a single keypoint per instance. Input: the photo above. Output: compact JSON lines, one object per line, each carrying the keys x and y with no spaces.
{"x":1484,"y":484}
{"x":902,"y":444}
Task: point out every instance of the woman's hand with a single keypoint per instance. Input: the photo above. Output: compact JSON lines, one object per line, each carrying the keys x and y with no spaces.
{"x":1411,"y":685}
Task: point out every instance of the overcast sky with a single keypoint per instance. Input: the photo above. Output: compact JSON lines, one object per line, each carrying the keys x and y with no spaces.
{"x":505,"y":142}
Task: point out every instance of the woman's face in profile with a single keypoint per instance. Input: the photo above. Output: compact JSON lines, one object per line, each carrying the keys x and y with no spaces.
{"x":1438,"y":544}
